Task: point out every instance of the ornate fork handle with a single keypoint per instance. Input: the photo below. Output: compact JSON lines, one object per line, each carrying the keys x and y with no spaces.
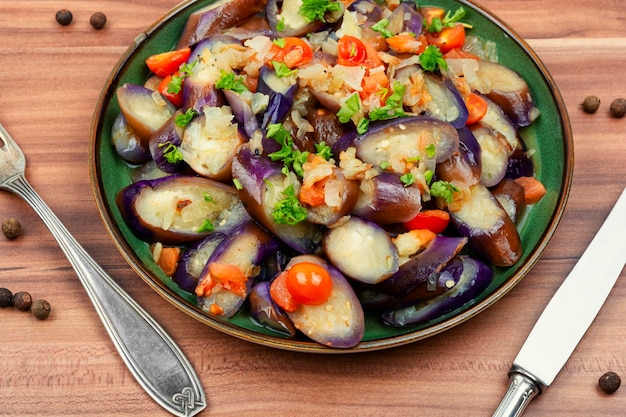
{"x":152,"y":356}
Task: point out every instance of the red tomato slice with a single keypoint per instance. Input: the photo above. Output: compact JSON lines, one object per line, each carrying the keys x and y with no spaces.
{"x":476,"y":107}
{"x":434,"y":220}
{"x":175,"y":98}
{"x":448,"y":38}
{"x":167,"y":63}
{"x":309,"y":283}
{"x":281,"y":295}
{"x":294,"y":53}
{"x":350,"y":51}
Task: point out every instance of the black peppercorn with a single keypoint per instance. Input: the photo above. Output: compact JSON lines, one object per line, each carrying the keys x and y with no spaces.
{"x":6,"y":297}
{"x":11,"y":228}
{"x":98,"y":20}
{"x":591,"y":104}
{"x":618,"y":108}
{"x":41,"y":309}
{"x":22,"y":300}
{"x":64,"y":17}
{"x":609,"y":382}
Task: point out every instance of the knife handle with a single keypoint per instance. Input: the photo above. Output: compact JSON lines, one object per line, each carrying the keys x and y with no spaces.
{"x":523,"y":387}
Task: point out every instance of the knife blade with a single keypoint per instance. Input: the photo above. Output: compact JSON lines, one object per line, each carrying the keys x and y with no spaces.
{"x":568,"y":315}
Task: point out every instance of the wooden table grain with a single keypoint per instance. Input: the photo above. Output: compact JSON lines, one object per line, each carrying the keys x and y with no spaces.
{"x":50,"y":79}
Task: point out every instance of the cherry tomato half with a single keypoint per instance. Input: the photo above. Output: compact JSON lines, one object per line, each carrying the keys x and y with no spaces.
{"x":176,"y":98}
{"x":294,"y":53}
{"x":448,"y":38}
{"x":476,"y":107}
{"x":309,"y":283}
{"x":434,"y":220}
{"x":167,"y":63}
{"x":350,"y":51}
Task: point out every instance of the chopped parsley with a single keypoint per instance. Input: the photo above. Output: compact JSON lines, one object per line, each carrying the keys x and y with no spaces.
{"x":449,"y":20}
{"x":431,"y":151}
{"x":282,"y":70}
{"x":208,"y":198}
{"x":323,"y":150}
{"x":171,"y":153}
{"x":280,"y":42}
{"x":362,"y":126}
{"x":229,"y":81}
{"x":407,"y":179}
{"x":313,"y":10}
{"x":176,"y":84}
{"x":237,"y":184}
{"x":349,"y":108}
{"x":428,"y":176}
{"x":207,"y":226}
{"x":384,"y":165}
{"x":280,"y":26}
{"x":432,"y":59}
{"x":443,"y":189}
{"x":393,"y":107}
{"x":291,"y":157}
{"x":289,"y":210}
{"x":183,"y":119}
{"x":381,"y":27}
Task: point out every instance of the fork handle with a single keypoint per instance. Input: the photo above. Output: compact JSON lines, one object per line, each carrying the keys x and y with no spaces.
{"x":151,"y":355}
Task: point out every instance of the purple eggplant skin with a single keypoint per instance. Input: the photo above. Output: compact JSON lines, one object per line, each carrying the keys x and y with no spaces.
{"x":262,"y":183}
{"x":265,"y":311}
{"x":145,"y":110}
{"x":127,"y":145}
{"x":489,"y":229}
{"x":369,"y":10}
{"x":146,"y":206}
{"x":339,"y":322}
{"x":245,"y":247}
{"x":510,"y":195}
{"x":402,"y":138}
{"x":281,"y":92}
{"x":361,"y":250}
{"x":215,"y":18}
{"x":413,"y":276}
{"x":495,"y":151}
{"x":326,"y":126}
{"x":520,"y":165}
{"x":446,"y":103}
{"x":163,"y":141}
{"x":242,"y":110}
{"x":294,"y":23}
{"x":496,"y":119}
{"x":193,"y":260}
{"x":438,"y":283}
{"x":509,"y":91}
{"x":463,"y":167}
{"x":475,"y":277}
{"x":384,"y":199}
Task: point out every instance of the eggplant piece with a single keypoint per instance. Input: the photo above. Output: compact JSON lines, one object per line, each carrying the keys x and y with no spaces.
{"x":494,"y":159}
{"x":210,"y":142}
{"x":438,"y":283}
{"x":384,"y":199}
{"x":194,"y":260}
{"x":262,"y":186}
{"x":265,"y":311}
{"x":403,"y":140}
{"x":509,"y":91}
{"x":178,"y":209}
{"x":489,"y":229}
{"x":326,"y":126}
{"x":496,"y":119}
{"x":362,"y":250}
{"x":446,"y":102}
{"x":216,"y":17}
{"x":245,"y":107}
{"x":475,"y":277}
{"x":519,"y":165}
{"x":281,"y":92}
{"x":510,"y":195}
{"x":465,"y":166}
{"x":340,"y":196}
{"x":164,"y":143}
{"x":414,"y":275}
{"x":287,"y":11}
{"x":369,"y":10}
{"x":337,"y":323}
{"x":127,"y":145}
{"x":145,"y":110}
{"x":227,"y":278}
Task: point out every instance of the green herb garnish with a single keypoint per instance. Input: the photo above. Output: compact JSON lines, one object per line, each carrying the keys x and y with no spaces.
{"x":282,"y":70}
{"x":313,"y":10}
{"x":208,"y":198}
{"x":349,"y":108}
{"x":207,"y":226}
{"x":289,"y":210}
{"x":237,"y":184}
{"x":443,"y":189}
{"x":431,"y":151}
{"x":183,"y":119}
{"x":432,"y":59}
{"x":381,"y":27}
{"x":171,"y":153}
{"x":323,"y":150}
{"x":407,"y":179}
{"x":280,"y":26}
{"x":393,"y":107}
{"x":449,"y":20}
{"x":229,"y":81}
{"x":176,"y":83}
{"x":291,"y":157}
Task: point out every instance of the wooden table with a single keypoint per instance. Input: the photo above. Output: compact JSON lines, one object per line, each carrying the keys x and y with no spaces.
{"x":50,"y":79}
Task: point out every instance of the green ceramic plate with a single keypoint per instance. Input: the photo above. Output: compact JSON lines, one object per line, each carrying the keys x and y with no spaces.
{"x":550,"y":136}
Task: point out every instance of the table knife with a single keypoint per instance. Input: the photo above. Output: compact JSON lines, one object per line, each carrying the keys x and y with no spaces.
{"x":568,"y":315}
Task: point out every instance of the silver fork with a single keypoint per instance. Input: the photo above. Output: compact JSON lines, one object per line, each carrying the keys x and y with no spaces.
{"x":151,"y":355}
